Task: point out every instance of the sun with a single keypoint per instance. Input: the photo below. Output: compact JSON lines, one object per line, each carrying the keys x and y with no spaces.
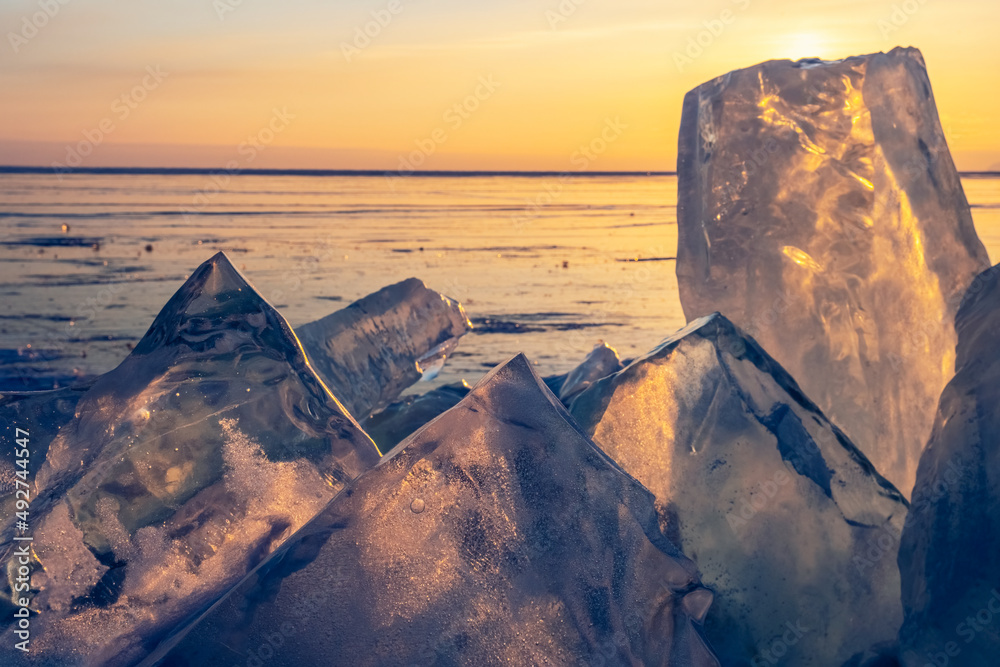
{"x":802,"y":45}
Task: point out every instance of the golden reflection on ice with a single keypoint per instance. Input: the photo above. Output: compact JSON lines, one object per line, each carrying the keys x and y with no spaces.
{"x":844,"y":243}
{"x":721,"y":441}
{"x":637,"y":429}
{"x":864,"y":181}
{"x":801,"y":258}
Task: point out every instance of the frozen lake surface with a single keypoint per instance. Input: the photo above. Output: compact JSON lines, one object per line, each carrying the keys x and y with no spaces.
{"x":544,"y":265}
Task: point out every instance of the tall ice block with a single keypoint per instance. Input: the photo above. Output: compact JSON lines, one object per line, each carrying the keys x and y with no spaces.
{"x":819,"y":209}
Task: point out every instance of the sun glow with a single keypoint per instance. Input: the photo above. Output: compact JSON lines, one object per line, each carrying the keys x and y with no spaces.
{"x":803,"y":45}
{"x":361,"y":101}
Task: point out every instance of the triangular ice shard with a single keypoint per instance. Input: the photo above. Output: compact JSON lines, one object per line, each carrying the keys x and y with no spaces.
{"x":790,"y":525}
{"x":181,"y":470}
{"x":601,"y":362}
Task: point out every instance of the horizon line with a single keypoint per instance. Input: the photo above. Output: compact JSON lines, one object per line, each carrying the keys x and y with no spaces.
{"x":389,"y":173}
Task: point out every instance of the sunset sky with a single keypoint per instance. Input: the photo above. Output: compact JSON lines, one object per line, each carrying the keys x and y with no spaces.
{"x":535,"y":79}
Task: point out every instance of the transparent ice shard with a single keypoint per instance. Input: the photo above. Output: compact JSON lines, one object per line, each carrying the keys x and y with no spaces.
{"x":182,"y":469}
{"x":497,"y":534}
{"x":394,"y":423}
{"x":42,"y":414}
{"x":820,"y":210}
{"x":781,"y":513}
{"x":431,"y":362}
{"x":378,"y":346}
{"x":949,"y":558}
{"x":390,"y":425}
{"x":601,"y":362}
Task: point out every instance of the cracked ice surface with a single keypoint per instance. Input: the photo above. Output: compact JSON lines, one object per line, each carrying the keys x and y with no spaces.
{"x":819,"y":209}
{"x":949,"y":557}
{"x":378,"y":346}
{"x":779,"y":510}
{"x":181,"y":469}
{"x":498,"y":534}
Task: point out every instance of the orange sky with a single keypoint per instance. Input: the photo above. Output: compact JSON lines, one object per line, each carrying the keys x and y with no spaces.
{"x":535,"y":79}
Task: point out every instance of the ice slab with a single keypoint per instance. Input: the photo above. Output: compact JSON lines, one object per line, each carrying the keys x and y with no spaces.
{"x":497,"y":534}
{"x":182,"y":469}
{"x":782,"y":514}
{"x":394,"y":423}
{"x":378,"y":346}
{"x":391,"y":425}
{"x":820,"y":210}
{"x":949,"y":558}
